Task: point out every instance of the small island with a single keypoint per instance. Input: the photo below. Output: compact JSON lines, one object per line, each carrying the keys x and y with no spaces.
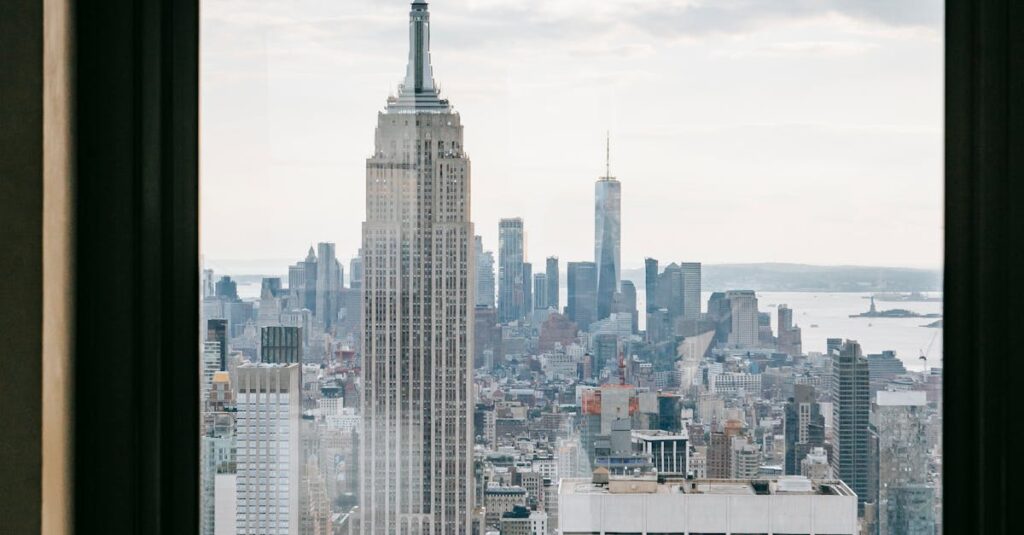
{"x":912,"y":297}
{"x":893,"y":313}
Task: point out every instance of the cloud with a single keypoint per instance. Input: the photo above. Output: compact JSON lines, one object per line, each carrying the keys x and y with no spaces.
{"x":481,"y":23}
{"x":817,"y":49}
{"x":698,"y":18}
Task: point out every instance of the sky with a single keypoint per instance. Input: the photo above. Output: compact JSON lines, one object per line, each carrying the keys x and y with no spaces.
{"x":800,"y":131}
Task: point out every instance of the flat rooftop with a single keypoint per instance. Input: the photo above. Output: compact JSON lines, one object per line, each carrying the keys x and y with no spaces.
{"x":785,"y":486}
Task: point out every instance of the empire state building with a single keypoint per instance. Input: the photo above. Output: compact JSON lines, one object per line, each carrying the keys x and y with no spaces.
{"x":416,"y":444}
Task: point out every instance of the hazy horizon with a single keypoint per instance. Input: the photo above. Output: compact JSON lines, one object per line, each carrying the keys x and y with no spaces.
{"x":764,"y":131}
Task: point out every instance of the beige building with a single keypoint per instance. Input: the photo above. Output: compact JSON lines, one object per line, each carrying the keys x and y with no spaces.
{"x":418,"y":301}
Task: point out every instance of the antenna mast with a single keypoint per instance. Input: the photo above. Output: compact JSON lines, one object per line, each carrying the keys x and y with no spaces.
{"x":607,"y":155}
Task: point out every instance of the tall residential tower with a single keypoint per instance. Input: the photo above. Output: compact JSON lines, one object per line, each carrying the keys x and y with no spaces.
{"x":418,"y":300}
{"x":511,"y":277}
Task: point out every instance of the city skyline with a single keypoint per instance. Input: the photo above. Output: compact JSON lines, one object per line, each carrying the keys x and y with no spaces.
{"x":833,"y":153}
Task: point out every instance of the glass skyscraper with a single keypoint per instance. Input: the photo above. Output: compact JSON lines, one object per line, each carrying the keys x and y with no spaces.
{"x":511,"y":293}
{"x":607,"y":241}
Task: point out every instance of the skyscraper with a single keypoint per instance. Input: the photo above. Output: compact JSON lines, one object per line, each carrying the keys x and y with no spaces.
{"x":627,"y":302}
{"x":540,"y":291}
{"x":355,"y":271}
{"x":302,"y":283}
{"x":416,"y":446}
{"x":607,"y":238}
{"x":484,"y":275}
{"x":850,"y":410}
{"x":581,"y":307}
{"x":743,"y":308}
{"x":511,"y":295}
{"x":329,"y":277}
{"x":651,"y":284}
{"x":552,"y":282}
{"x":804,"y":426}
{"x":789,"y":338}
{"x":268,"y":400}
{"x":527,"y":287}
{"x":900,"y":426}
{"x":217,"y":331}
{"x":691,"y":290}
{"x":670,"y":291}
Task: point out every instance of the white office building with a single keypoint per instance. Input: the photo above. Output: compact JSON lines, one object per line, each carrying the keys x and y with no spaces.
{"x":268,"y":398}
{"x":645,"y":506}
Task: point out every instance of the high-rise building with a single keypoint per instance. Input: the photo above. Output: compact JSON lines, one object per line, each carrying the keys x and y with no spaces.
{"x":789,"y":340}
{"x":527,"y":287}
{"x":581,"y":305}
{"x":281,"y":345}
{"x":670,"y":291}
{"x":900,"y":427}
{"x":355,"y":271}
{"x":651,"y":284}
{"x":329,"y":277}
{"x":540,"y":291}
{"x":209,"y":288}
{"x":511,"y":294}
{"x":691,"y":290}
{"x":268,"y":399}
{"x":302,"y":282}
{"x":416,"y":446}
{"x":804,"y":427}
{"x":627,"y":303}
{"x":210,"y":365}
{"x":552,"y":282}
{"x":743,"y":311}
{"x":484,"y":275}
{"x":226,"y":289}
{"x":217,"y":331}
{"x":883,"y":368}
{"x":607,"y":238}
{"x":850,"y":409}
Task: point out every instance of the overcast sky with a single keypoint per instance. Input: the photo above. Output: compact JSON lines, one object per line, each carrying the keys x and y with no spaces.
{"x":742,"y":130}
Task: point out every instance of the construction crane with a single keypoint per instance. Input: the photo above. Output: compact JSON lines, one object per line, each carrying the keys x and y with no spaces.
{"x":924,"y":353}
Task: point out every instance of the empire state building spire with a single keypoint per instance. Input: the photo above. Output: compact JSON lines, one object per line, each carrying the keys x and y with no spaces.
{"x":418,"y":92}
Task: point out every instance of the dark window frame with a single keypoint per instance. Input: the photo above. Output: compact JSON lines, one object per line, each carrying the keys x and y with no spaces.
{"x":136,"y":346}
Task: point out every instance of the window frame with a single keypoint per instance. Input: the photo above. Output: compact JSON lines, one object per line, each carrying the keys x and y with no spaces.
{"x":136,"y":344}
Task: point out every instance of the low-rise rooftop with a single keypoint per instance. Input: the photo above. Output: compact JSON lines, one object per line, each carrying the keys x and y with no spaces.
{"x":785,"y":485}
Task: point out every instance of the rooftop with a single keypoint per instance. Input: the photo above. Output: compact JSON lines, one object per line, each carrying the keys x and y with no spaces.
{"x":786,"y":486}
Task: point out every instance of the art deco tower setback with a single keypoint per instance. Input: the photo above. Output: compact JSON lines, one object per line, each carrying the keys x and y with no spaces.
{"x":418,"y":300}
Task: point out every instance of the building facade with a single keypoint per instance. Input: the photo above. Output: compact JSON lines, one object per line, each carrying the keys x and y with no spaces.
{"x":900,"y":427}
{"x":691,"y":290}
{"x":551,"y":270}
{"x":418,"y":302}
{"x":268,"y":402}
{"x":511,"y":281}
{"x":484,"y":275}
{"x":850,"y":411}
{"x":607,"y":241}
{"x":676,"y":505}
{"x":581,"y":279}
{"x":743,"y":312}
